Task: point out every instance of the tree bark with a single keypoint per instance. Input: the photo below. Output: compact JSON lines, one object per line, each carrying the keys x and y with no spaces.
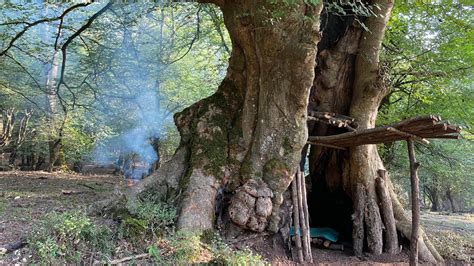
{"x":248,"y":136}
{"x":358,"y":234}
{"x":450,"y":198}
{"x":391,"y":239}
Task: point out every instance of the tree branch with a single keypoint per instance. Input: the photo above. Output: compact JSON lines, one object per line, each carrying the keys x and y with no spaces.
{"x":32,"y":24}
{"x":72,"y":37}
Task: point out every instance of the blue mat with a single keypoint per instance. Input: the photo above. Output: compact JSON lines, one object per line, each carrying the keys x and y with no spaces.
{"x":320,"y":232}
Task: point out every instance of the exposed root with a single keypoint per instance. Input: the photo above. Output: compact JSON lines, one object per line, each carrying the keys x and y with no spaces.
{"x":164,"y":182}
{"x":427,"y":252}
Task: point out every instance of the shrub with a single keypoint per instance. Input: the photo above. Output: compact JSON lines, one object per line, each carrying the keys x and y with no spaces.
{"x":188,"y":248}
{"x":66,"y":236}
{"x":132,"y":229}
{"x":157,"y":215}
{"x":150,"y":217}
{"x":224,"y":254}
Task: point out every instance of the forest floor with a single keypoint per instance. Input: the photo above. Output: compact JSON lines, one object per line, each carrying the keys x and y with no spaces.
{"x":26,"y":197}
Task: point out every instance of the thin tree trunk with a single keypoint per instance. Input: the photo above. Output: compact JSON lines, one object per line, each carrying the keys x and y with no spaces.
{"x":451,"y":200}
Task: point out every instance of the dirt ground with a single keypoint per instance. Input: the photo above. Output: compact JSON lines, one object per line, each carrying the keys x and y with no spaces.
{"x":27,"y":196}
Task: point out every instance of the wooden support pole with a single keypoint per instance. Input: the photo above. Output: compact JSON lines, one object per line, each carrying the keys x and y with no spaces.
{"x":408,"y":135}
{"x":304,"y":228}
{"x":296,"y":219}
{"x":306,"y":212}
{"x":358,"y":220}
{"x":415,"y":204}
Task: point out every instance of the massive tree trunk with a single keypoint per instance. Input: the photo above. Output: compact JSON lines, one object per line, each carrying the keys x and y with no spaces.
{"x":248,"y":136}
{"x":245,"y":141}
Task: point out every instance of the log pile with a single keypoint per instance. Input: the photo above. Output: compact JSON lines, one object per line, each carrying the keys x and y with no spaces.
{"x":417,"y":128}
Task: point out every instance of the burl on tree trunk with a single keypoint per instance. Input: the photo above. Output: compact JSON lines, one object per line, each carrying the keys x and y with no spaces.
{"x":245,"y":141}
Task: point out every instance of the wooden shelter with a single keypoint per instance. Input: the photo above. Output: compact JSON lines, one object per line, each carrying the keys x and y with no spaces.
{"x":417,"y":129}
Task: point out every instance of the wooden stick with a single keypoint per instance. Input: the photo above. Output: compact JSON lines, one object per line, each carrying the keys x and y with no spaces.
{"x":408,"y":135}
{"x":321,"y":243}
{"x":391,"y":239}
{"x":296,"y":219}
{"x":431,"y":119}
{"x":382,"y":134}
{"x":326,"y":145}
{"x":304,"y":229}
{"x":415,"y":204}
{"x":306,"y":212}
{"x":446,"y":137}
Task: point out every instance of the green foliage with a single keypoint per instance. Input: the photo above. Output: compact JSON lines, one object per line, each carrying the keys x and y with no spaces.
{"x":445,"y":166}
{"x":158,"y":215}
{"x":428,"y":60}
{"x":151,"y":217}
{"x":67,"y":237}
{"x":186,"y":247}
{"x":129,"y":50}
{"x":132,"y":228}
{"x":224,"y":254}
{"x":76,"y":143}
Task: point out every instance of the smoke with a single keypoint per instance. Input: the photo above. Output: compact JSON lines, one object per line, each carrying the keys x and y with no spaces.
{"x":131,"y":103}
{"x":132,"y":148}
